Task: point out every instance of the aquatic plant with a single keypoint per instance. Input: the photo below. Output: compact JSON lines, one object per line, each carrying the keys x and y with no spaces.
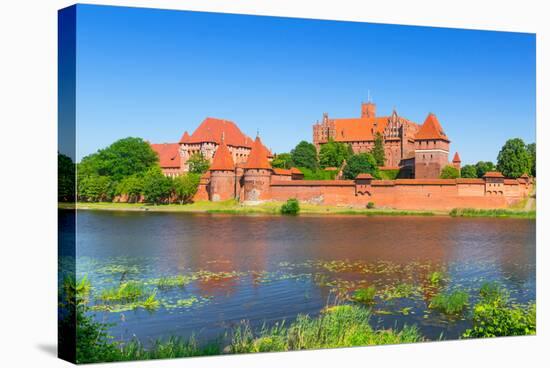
{"x":168,"y":282}
{"x":493,"y":318}
{"x":151,"y":303}
{"x":472,"y":212}
{"x":493,"y":291}
{"x":450,"y":303}
{"x":435,"y":278}
{"x":401,"y":290}
{"x":127,"y":292}
{"x":364,"y":295}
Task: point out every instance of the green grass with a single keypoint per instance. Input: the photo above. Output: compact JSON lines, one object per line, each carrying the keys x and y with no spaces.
{"x":126,"y":292}
{"x":401,"y":290}
{"x":506,"y":213}
{"x":436,"y":278}
{"x":388,"y":174}
{"x":170,"y":282}
{"x":236,"y":208}
{"x":451,"y":303}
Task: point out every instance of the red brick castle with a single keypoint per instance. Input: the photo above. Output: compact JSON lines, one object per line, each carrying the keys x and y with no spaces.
{"x":241,"y":167}
{"x":419,"y":151}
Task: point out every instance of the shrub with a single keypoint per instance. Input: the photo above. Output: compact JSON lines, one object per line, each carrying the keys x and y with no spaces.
{"x":449,"y":172}
{"x":291,"y":207}
{"x":370,"y":205}
{"x":494,"y":318}
{"x":453,"y":303}
{"x":361,"y":163}
{"x":365,"y":295}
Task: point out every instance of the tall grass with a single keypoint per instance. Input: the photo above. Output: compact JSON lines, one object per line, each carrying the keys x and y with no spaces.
{"x":450,"y":303}
{"x":472,"y":212}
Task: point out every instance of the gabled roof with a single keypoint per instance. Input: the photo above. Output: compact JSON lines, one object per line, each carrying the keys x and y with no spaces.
{"x":213,"y":129}
{"x":295,"y":170}
{"x":493,"y":174}
{"x":257,"y":159}
{"x":456,"y":158}
{"x":431,"y":129}
{"x":168,"y":153}
{"x":222,"y":159}
{"x":285,"y":172}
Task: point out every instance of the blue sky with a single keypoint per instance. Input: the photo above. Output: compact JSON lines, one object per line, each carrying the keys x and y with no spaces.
{"x":155,"y":73}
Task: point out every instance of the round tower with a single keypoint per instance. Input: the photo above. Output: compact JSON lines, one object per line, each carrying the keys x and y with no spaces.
{"x":222,"y":175}
{"x":257,"y":174}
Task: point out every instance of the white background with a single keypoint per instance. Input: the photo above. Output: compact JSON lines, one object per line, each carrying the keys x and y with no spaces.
{"x":28,"y":153}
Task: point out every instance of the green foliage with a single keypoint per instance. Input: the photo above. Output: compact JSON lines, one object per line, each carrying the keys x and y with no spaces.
{"x":378,"y":150}
{"x":365,"y":295}
{"x":123,"y":158}
{"x":185,"y":187}
{"x":468,"y":171}
{"x":340,"y":326}
{"x":449,"y":172}
{"x":361,"y":163}
{"x":370,"y":205}
{"x":127,"y":292}
{"x":513,"y":159}
{"x":198,"y":164}
{"x":495,"y":316}
{"x":318,"y":174}
{"x":389,"y":174}
{"x":532,"y":150}
{"x":282,"y":161}
{"x":132,"y":186}
{"x":435,"y":278}
{"x":95,"y":188}
{"x":156,"y":187}
{"x":452,"y":303}
{"x":66,"y":180}
{"x":501,"y":212}
{"x":290,"y":207}
{"x":333,"y":154}
{"x":305,"y":155}
{"x":483,"y":166}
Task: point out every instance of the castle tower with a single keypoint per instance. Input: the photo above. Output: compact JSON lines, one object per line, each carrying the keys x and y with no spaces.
{"x":257,"y":173}
{"x":184,"y":150}
{"x":222,"y":175}
{"x":368,"y":110}
{"x":456,"y":161}
{"x":431,"y":149}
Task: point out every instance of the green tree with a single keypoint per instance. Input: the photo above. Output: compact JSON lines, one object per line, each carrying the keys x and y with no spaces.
{"x":484,"y":166}
{"x":513,"y":159}
{"x":468,"y":171}
{"x":65,"y":178}
{"x":185,"y":187}
{"x":305,"y":155}
{"x":157,"y":188}
{"x":95,"y":188}
{"x":132,"y":186}
{"x":198,"y":164}
{"x":378,"y":150}
{"x":123,"y":158}
{"x":449,"y":172}
{"x":333,"y":154}
{"x":532,"y":149}
{"x":282,"y":161}
{"x":361,"y":163}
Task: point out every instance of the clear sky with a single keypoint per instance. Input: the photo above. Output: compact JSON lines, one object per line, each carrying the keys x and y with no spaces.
{"x":156,"y":73}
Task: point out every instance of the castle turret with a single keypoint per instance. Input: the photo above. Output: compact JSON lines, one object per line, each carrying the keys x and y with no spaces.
{"x":368,"y":110}
{"x":257,"y":173}
{"x":431,"y":149}
{"x":456,"y":161}
{"x":222,"y":175}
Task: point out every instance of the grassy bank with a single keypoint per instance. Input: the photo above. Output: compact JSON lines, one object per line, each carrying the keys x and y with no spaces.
{"x":502,"y":213}
{"x":234,"y":207}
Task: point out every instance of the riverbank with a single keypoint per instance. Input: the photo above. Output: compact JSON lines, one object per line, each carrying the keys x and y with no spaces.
{"x":273,"y":208}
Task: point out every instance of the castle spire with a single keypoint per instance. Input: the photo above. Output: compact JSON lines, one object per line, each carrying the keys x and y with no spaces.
{"x":222,"y":158}
{"x":257,"y":159}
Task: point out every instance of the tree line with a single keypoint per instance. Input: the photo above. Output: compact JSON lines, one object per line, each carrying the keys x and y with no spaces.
{"x":127,"y":168}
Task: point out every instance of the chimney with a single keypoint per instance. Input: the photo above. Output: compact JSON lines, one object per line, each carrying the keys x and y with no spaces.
{"x":368,"y":110}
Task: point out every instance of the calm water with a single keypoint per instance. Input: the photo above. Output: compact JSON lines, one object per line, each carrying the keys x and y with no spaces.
{"x":265,"y":269}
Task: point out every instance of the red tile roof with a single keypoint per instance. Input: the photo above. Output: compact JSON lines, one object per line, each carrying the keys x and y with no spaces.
{"x":493,"y":174}
{"x":168,"y":153}
{"x":257,"y":159}
{"x":456,"y":158}
{"x":295,"y":170}
{"x":278,"y":171}
{"x":222,"y":159}
{"x":212,"y":130}
{"x":470,"y":181}
{"x":431,"y":129}
{"x":364,"y":176}
{"x":185,"y":138}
